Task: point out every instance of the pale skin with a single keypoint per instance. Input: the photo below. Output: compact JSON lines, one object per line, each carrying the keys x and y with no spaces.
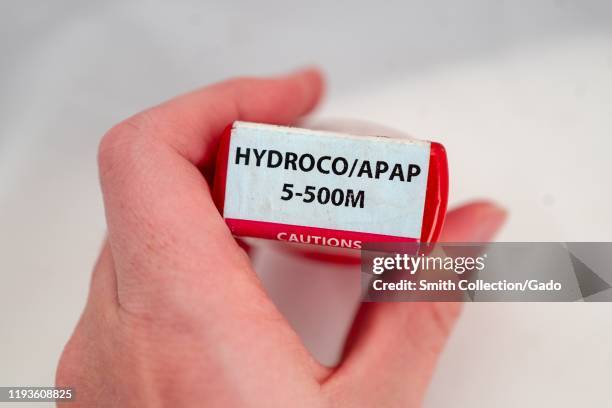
{"x":176,"y":316}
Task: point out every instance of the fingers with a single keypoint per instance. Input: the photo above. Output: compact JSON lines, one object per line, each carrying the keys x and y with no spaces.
{"x":394,"y":346}
{"x":193,"y":122}
{"x":474,"y":222}
{"x":165,"y":233}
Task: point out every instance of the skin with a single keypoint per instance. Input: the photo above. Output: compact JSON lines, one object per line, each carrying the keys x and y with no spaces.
{"x":176,"y":316}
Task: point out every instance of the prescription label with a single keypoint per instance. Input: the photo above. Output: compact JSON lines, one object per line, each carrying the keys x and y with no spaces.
{"x":331,"y":188}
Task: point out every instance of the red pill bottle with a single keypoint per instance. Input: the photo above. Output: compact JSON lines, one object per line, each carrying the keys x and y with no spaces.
{"x":434,"y":206}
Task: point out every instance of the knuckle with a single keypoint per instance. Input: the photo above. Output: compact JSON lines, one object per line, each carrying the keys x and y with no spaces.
{"x":68,"y":369}
{"x":121,"y":140}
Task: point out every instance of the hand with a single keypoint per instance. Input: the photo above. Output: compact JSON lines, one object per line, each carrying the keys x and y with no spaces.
{"x":176,"y":316}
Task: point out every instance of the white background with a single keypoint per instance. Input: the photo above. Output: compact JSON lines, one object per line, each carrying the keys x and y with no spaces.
{"x":519,"y":92}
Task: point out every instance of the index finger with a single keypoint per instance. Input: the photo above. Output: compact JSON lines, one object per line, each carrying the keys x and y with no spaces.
{"x":164,"y":230}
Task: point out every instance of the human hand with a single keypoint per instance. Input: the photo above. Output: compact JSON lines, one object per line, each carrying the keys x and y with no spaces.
{"x":176,"y":315}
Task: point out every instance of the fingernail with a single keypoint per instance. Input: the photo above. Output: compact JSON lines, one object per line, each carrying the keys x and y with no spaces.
{"x":307,"y":70}
{"x":490,"y":220}
{"x":312,"y":81}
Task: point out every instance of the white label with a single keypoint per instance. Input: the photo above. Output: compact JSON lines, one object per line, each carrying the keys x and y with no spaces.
{"x":326,"y":180}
